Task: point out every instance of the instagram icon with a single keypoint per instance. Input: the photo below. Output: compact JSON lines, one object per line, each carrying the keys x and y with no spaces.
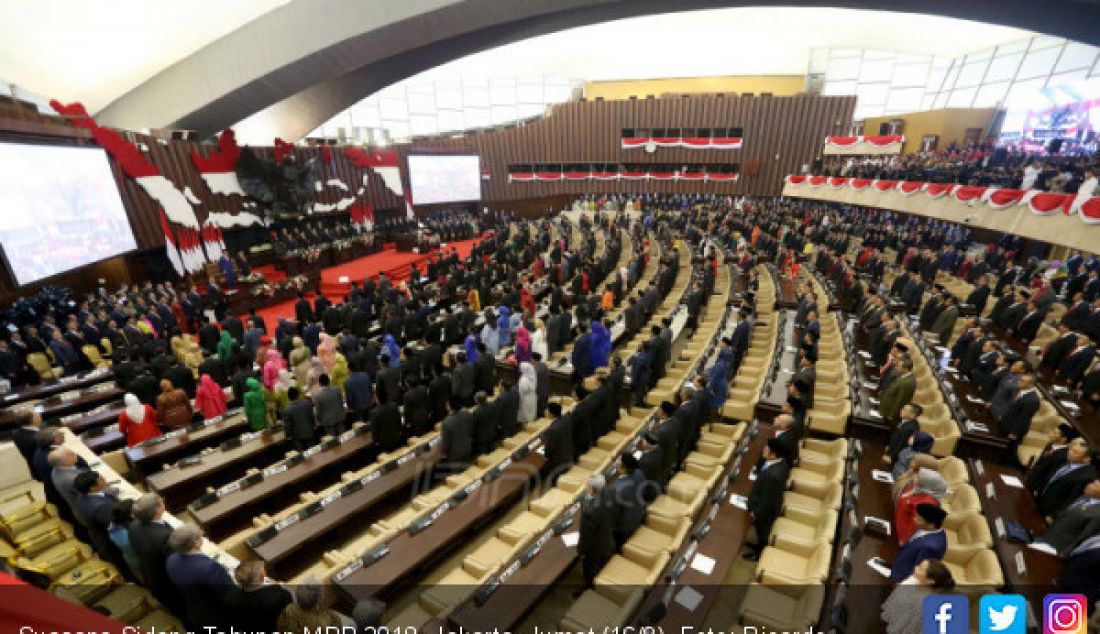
{"x":1064,"y":614}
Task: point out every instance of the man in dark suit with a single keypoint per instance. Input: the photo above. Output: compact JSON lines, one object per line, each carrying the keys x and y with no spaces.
{"x":899,"y":392}
{"x":1075,"y":316}
{"x":802,"y":382}
{"x":558,"y":439}
{"x":303,"y":311}
{"x":26,"y":437}
{"x":149,"y":538}
{"x":1017,"y":421}
{"x":385,"y":426}
{"x":485,"y":371}
{"x":1067,"y":482}
{"x":596,"y":543}
{"x":209,"y":336}
{"x":1059,"y":348}
{"x":928,"y":542}
{"x":299,"y":423}
{"x":463,"y":380}
{"x":899,"y":436}
{"x":1077,"y":523}
{"x":1077,"y":361}
{"x":256,"y":603}
{"x":202,"y":582}
{"x":1012,"y":315}
{"x":739,"y":340}
{"x":359,"y":393}
{"x":95,"y":503}
{"x":1029,"y":324}
{"x":1082,"y":572}
{"x":439,"y":392}
{"x":628,"y":496}
{"x":980,"y":295}
{"x":786,"y":430}
{"x":456,"y":439}
{"x":766,"y":497}
{"x":1051,"y":459}
{"x":944,"y":325}
{"x":485,"y":424}
{"x":388,"y":381}
{"x":581,"y":356}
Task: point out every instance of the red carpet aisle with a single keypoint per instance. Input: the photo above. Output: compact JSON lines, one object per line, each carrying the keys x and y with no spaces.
{"x":395,"y":265}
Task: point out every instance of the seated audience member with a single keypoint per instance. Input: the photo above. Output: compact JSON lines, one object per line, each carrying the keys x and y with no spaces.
{"x":1052,"y":457}
{"x":255,"y":604}
{"x":1067,"y":482}
{"x":202,"y":582}
{"x":919,"y":443}
{"x":903,"y":610}
{"x":308,"y":612}
{"x":928,"y":542}
{"x":901,"y":435}
{"x":928,"y":487}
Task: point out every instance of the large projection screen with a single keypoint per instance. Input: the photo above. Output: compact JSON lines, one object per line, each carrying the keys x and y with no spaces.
{"x":60,"y":209}
{"x":444,"y":178}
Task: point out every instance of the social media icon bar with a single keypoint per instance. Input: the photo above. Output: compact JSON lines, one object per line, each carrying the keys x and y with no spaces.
{"x":945,"y":614}
{"x":1064,"y":614}
{"x":1003,"y":614}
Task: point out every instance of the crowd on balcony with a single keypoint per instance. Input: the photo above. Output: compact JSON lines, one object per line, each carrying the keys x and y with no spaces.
{"x":978,"y":164}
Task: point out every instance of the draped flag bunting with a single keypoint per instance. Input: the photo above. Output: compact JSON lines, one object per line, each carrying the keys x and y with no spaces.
{"x":694,"y":143}
{"x":678,"y":175}
{"x":281,"y":150}
{"x":855,"y":145}
{"x":174,"y":204}
{"x":1038,"y":202}
{"x":219,"y":170}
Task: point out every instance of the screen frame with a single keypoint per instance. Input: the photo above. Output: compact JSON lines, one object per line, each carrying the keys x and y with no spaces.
{"x":412,"y":190}
{"x":82,"y":145}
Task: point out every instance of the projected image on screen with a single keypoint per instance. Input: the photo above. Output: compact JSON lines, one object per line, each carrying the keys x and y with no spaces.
{"x":59,"y":209}
{"x":444,"y":179}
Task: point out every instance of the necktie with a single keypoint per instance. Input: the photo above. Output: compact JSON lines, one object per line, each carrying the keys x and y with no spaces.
{"x":1087,"y":545}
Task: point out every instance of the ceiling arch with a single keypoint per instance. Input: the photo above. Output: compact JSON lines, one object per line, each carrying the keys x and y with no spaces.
{"x":305,"y":60}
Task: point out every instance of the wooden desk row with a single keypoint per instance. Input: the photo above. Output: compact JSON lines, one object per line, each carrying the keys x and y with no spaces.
{"x":52,"y":388}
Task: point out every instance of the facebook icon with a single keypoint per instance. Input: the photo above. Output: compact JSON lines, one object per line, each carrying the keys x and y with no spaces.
{"x":946,"y":614}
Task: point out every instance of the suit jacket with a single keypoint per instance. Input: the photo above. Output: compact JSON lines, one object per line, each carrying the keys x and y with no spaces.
{"x":1082,"y":575}
{"x":626,"y":493}
{"x":485,"y":428}
{"x":385,"y":426}
{"x":1075,"y":317}
{"x":257,"y":609}
{"x":1072,"y":526}
{"x":899,"y":437}
{"x":596,"y":541}
{"x":919,"y":547}
{"x":1044,"y":466}
{"x":389,"y":383}
{"x":896,"y":395}
{"x":298,"y":420}
{"x":978,"y":298}
{"x":766,"y":497}
{"x":581,"y":357}
{"x":150,"y":543}
{"x":96,"y":511}
{"x":462,"y":381}
{"x":1018,"y":418}
{"x":1074,"y":366}
{"x":945,"y":324}
{"x":1061,"y":492}
{"x":507,"y":409}
{"x":457,"y":438}
{"x":558,"y":438}
{"x":204,"y":583}
{"x":1029,"y":326}
{"x":1058,"y":350}
{"x":417,"y":410}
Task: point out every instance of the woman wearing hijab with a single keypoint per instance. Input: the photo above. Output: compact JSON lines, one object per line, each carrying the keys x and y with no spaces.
{"x":210,"y":398}
{"x":919,"y":443}
{"x":929,"y":487}
{"x":473,"y":298}
{"x":254,"y":408}
{"x":137,"y":422}
{"x":504,"y":327}
{"x":601,"y":344}
{"x":528,"y":393}
{"x":225,"y":346}
{"x":527,"y":301}
{"x":523,"y":345}
{"x":326,"y":351}
{"x":903,"y":610}
{"x":313,"y":377}
{"x":538,"y":340}
{"x":389,"y":347}
{"x":470,"y":345}
{"x":339,"y":371}
{"x":279,"y":397}
{"x":273,"y":364}
{"x":299,"y":360}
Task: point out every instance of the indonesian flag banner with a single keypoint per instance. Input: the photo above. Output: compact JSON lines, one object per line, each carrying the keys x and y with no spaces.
{"x":1040,"y":203}
{"x":679,"y":175}
{"x":219,"y":170}
{"x":694,"y":143}
{"x":864,"y":145}
{"x":381,"y":162}
{"x":170,"y":246}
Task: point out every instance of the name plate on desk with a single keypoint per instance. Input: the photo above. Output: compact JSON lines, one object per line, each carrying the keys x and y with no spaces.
{"x":276,"y":470}
{"x":990,"y":490}
{"x":979,"y":466}
{"x":371,"y":477}
{"x":232,"y":487}
{"x":405,"y":458}
{"x":999,"y":525}
{"x":1021,"y":566}
{"x":312,"y":451}
{"x":330,"y":498}
{"x":346,"y":436}
{"x":286,"y":522}
{"x":976,"y":427}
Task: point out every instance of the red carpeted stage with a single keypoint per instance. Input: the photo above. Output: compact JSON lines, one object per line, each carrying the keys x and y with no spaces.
{"x":396,"y":265}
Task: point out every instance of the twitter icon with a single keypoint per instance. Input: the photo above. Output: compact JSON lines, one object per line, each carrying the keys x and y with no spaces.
{"x":1003,"y":614}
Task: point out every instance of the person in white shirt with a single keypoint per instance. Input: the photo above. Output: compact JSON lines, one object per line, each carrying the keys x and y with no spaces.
{"x":1031,"y":173}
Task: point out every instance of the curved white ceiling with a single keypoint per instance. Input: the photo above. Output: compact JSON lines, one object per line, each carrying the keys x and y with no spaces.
{"x":735,"y":41}
{"x":96,"y":51}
